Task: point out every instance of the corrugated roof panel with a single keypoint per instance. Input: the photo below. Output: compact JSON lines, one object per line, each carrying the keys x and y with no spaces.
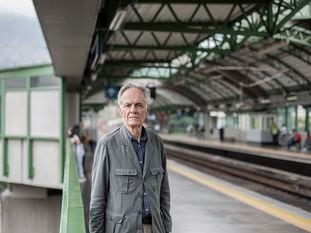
{"x":303,"y":67}
{"x":176,"y":39}
{"x":166,"y":15}
{"x":147,"y":39}
{"x":162,"y":36}
{"x":227,"y":85}
{"x":146,"y":11}
{"x":174,"y":97}
{"x":184,"y":12}
{"x":219,"y":87}
{"x":116,"y":55}
{"x":117,"y":38}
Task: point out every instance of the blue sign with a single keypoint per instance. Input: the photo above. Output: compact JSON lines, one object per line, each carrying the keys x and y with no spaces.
{"x":111,"y":91}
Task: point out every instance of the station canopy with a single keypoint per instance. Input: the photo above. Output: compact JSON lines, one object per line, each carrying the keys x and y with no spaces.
{"x":236,"y":55}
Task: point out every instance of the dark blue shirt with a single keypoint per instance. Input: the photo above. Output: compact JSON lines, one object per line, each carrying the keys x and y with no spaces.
{"x":140,"y":147}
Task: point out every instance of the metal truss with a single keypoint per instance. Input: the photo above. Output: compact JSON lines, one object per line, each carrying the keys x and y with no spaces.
{"x":296,"y":35}
{"x":199,"y":40}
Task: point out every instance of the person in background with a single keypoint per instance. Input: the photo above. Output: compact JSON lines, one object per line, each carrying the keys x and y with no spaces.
{"x":295,"y":139}
{"x":274,"y":133}
{"x":307,"y":143}
{"x":222,"y":134}
{"x":283,"y":130}
{"x":283,"y":136}
{"x":157,"y":127}
{"x":84,"y":134}
{"x":130,"y":189}
{"x":189,"y":129}
{"x":76,"y":140}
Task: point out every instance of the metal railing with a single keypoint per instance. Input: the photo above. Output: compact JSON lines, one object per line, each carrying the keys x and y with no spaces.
{"x":72,"y":213}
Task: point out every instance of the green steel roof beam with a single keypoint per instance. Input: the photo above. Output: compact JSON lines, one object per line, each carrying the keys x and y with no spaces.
{"x":134,"y":65}
{"x":296,"y":35}
{"x":120,"y":77}
{"x":189,"y":28}
{"x":296,"y":6}
{"x":137,"y":61}
{"x":278,"y":12}
{"x":167,"y":48}
{"x":201,"y":1}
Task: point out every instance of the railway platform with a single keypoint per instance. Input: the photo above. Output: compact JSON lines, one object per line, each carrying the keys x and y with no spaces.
{"x":202,"y":203}
{"x":242,"y":147}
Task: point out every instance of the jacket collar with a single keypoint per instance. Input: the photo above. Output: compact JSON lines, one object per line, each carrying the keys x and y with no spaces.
{"x":143,"y":136}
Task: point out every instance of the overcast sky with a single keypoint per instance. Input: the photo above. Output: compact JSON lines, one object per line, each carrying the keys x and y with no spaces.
{"x":22,"y":7}
{"x":21,"y":39}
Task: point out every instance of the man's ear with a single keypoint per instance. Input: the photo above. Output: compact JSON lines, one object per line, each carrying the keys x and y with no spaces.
{"x":120,"y":111}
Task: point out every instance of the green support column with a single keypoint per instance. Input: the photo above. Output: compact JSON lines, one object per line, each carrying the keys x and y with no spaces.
{"x":29,"y":140}
{"x":307,"y":119}
{"x":5,"y":162}
{"x":31,"y":171}
{"x":296,"y":117}
{"x":286,"y":117}
{"x":5,"y":157}
{"x":62,"y":131}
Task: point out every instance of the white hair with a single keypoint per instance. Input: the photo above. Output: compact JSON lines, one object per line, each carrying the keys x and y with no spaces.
{"x":130,"y":85}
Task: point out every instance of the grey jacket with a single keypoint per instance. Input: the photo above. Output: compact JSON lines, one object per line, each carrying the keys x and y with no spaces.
{"x":117,"y":185}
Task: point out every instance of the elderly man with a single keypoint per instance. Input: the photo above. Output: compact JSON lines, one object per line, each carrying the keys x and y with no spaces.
{"x":130,"y":189}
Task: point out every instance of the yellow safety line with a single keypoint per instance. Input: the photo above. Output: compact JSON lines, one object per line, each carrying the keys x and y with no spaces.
{"x":282,"y":214}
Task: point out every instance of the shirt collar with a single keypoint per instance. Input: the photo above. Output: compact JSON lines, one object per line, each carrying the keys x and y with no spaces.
{"x":143,"y":136}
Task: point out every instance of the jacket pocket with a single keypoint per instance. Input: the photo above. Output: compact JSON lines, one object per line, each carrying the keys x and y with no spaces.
{"x":113,"y":224}
{"x":158,"y":173}
{"x":126,"y":179}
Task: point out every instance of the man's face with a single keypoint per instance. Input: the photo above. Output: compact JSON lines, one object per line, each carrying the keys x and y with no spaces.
{"x":133,"y":108}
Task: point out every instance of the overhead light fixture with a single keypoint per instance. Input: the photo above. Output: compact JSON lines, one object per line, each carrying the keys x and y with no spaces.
{"x":291,"y":98}
{"x":209,"y":107}
{"x":222,"y":106}
{"x":264,"y":101}
{"x":239,"y":104}
{"x":93,"y":76}
{"x":213,"y":114}
{"x":102,"y":59}
{"x":117,"y":20}
{"x":219,"y":114}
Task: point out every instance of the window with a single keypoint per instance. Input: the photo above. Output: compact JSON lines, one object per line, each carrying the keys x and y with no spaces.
{"x":281,"y":118}
{"x":44,"y":81}
{"x":301,"y":118}
{"x":291,"y":118}
{"x":255,"y":122}
{"x":15,"y":83}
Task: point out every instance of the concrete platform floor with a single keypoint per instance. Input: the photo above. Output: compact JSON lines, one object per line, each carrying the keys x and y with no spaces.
{"x":205,"y":204}
{"x":197,"y":208}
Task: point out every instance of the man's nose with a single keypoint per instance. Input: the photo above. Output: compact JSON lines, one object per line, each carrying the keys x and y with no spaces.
{"x":133,"y":108}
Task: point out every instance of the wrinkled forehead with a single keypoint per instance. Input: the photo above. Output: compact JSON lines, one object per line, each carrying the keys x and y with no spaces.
{"x":133,"y":95}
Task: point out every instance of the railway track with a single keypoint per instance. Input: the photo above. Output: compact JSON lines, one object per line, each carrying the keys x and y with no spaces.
{"x":290,"y":176}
